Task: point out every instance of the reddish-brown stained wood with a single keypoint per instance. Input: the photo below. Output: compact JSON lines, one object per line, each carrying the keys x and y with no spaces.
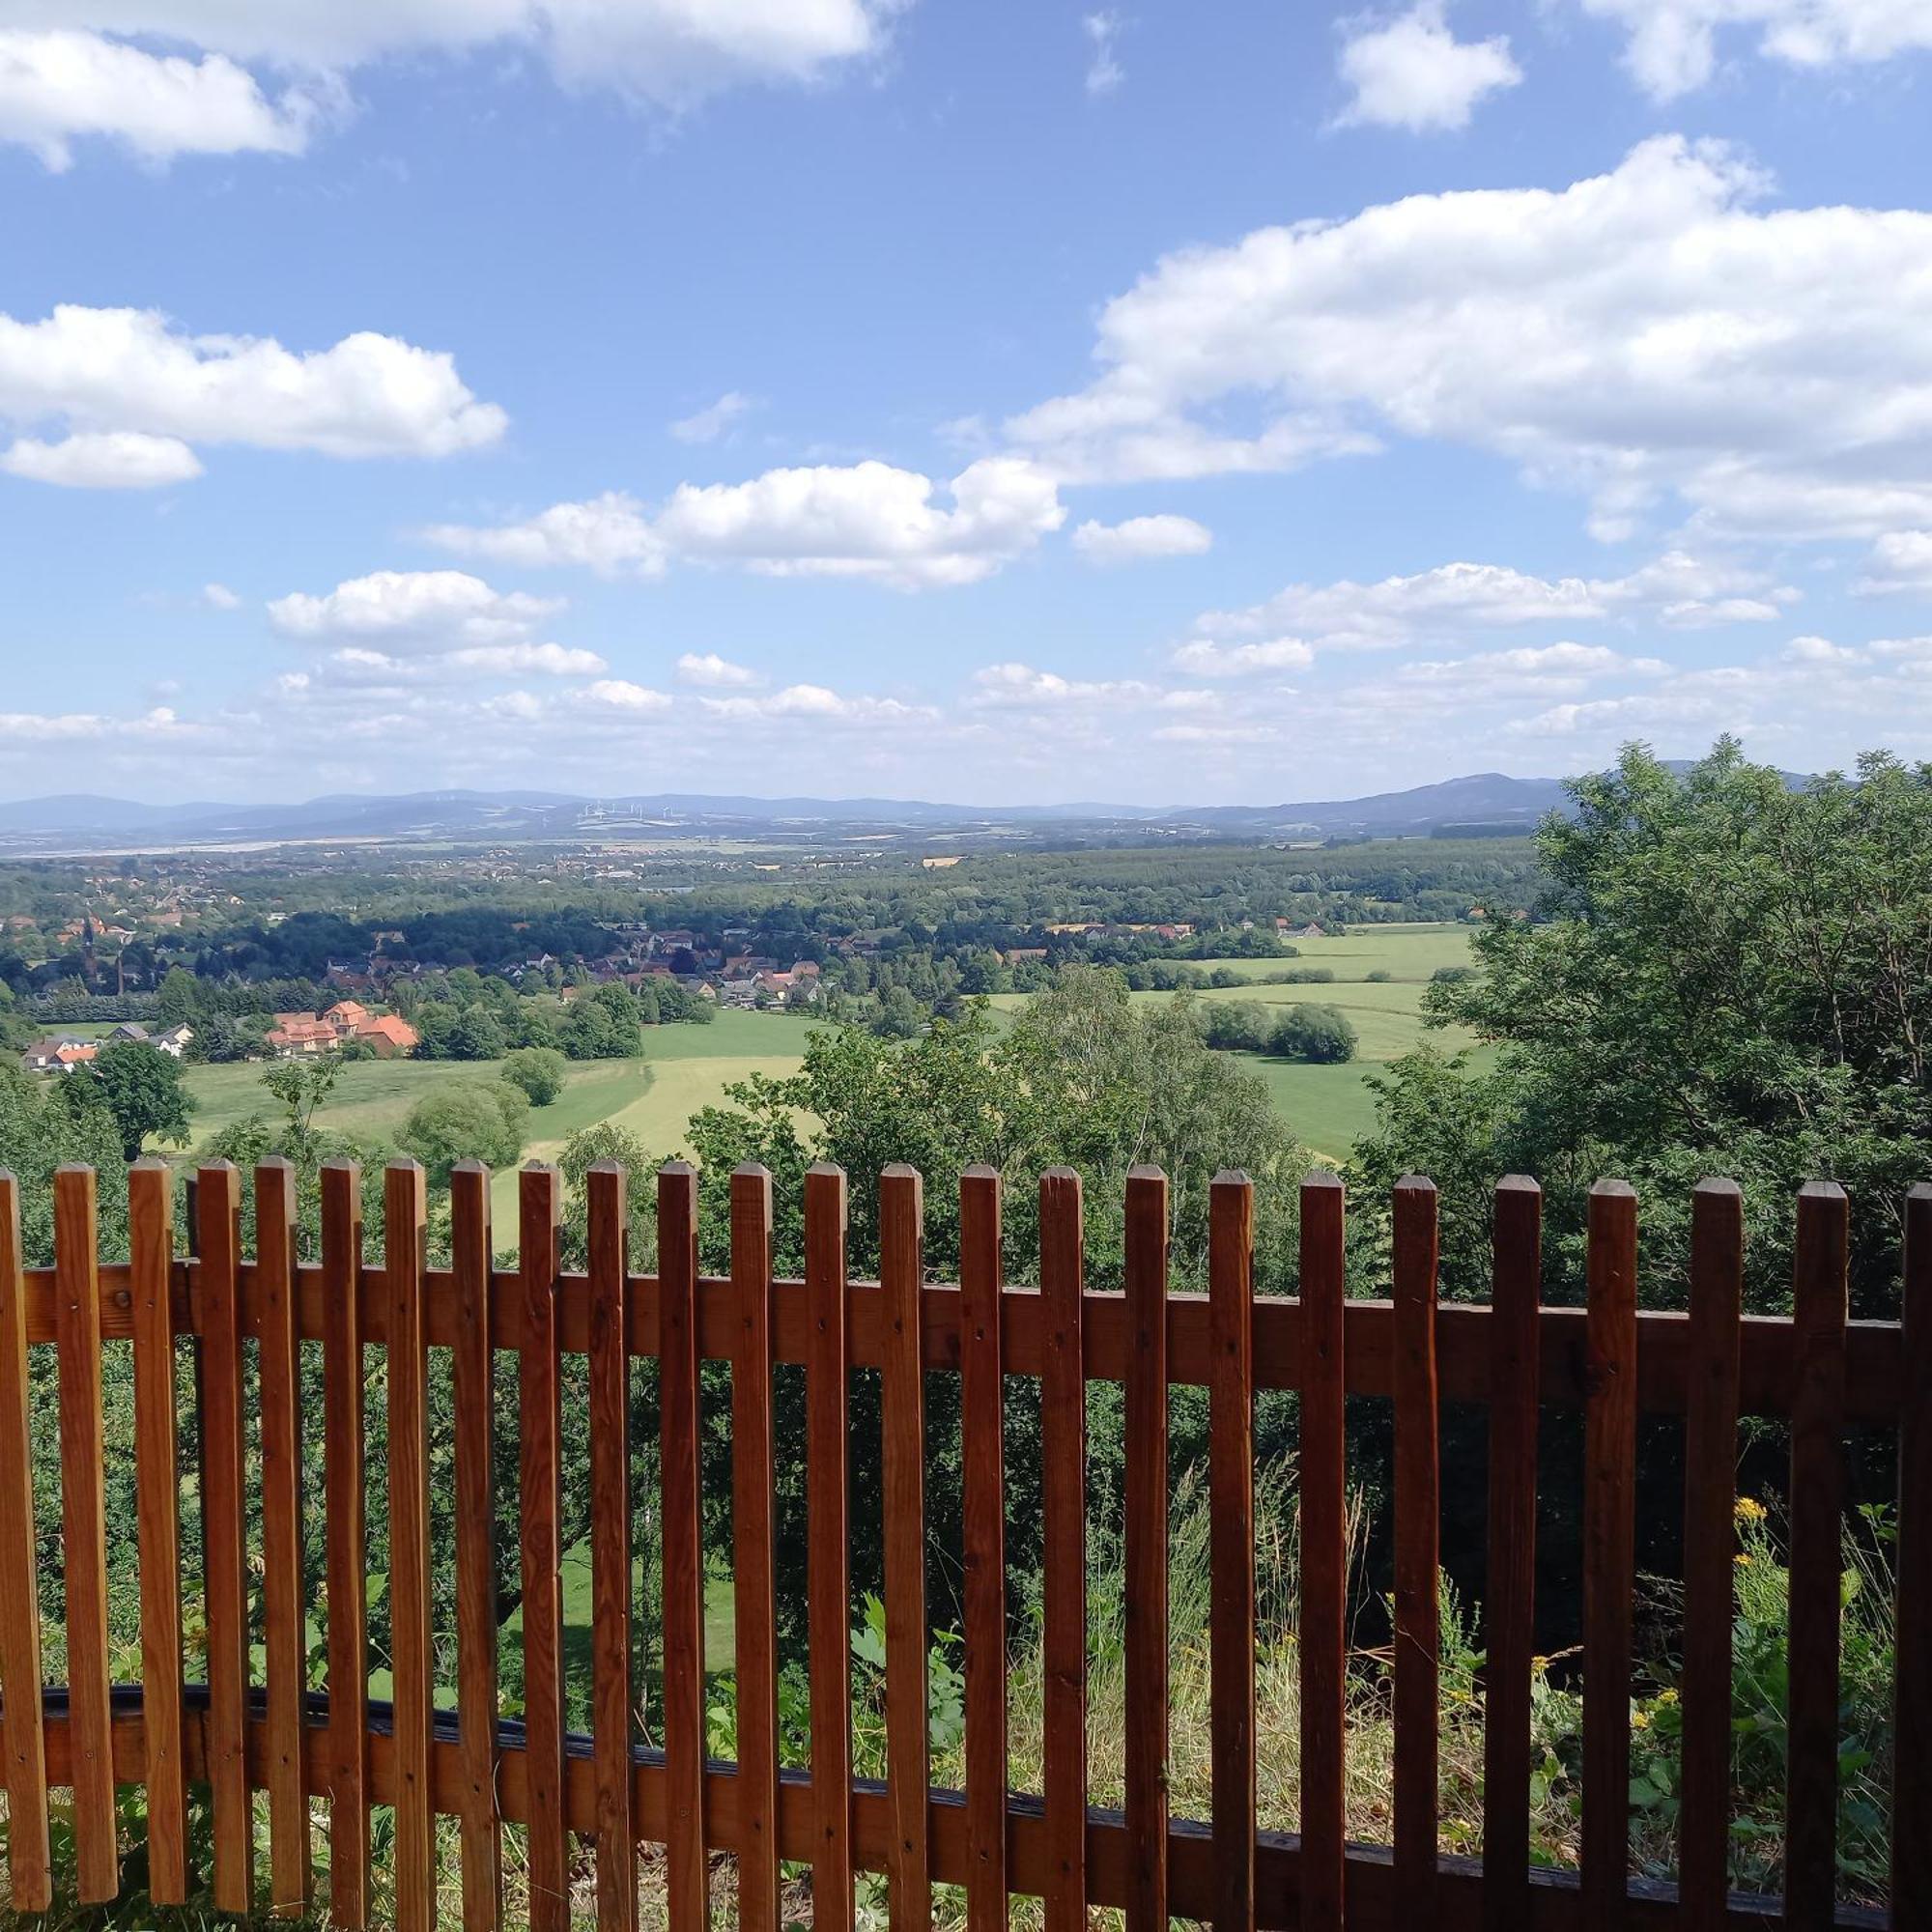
{"x":1231,"y":1490}
{"x":753,"y":1580}
{"x":1323,"y":1471}
{"x":827,"y":1375}
{"x":983,"y":1539}
{"x":30,"y":1869}
{"x":1710,"y":1541}
{"x":404,"y":1241}
{"x":473,"y":1401}
{"x":685,"y":1870}
{"x":346,"y":1567}
{"x":539,"y":1455}
{"x":902,"y":1402}
{"x":609,"y":1224}
{"x":1417,"y":1549}
{"x":1819,"y":1297}
{"x":1146,"y":1448}
{"x":282,"y":1609}
{"x":84,"y":1532}
{"x":223,"y":1530}
{"x":1062,"y":1403}
{"x":1610,"y":1488}
{"x":1515,"y":1293}
{"x":157,"y":1514}
{"x":1912,"y":1761}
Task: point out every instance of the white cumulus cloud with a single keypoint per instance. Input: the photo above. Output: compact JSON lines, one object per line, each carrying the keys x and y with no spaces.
{"x":865,"y":520}
{"x":1142,"y":537}
{"x":434,"y":611}
{"x":707,"y":668}
{"x":1414,"y":72}
{"x":136,"y":395}
{"x":103,"y":460}
{"x":1650,"y":332}
{"x":1672,"y":44}
{"x":60,"y":86}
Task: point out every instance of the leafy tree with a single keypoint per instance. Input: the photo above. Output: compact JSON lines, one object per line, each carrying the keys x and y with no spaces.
{"x":475,"y":1034}
{"x":481,"y":1120}
{"x":593,"y":1030}
{"x":1320,"y":1035}
{"x":1240,"y":1026}
{"x":145,"y":1093}
{"x":539,"y":1070}
{"x":179,"y":998}
{"x":1726,"y":975}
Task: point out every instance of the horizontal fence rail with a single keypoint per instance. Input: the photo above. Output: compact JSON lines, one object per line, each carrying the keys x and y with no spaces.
{"x":587,"y":1803}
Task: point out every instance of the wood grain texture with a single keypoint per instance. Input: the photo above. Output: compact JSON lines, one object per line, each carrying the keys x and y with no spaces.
{"x":1820,"y":1292}
{"x":683,"y":1630}
{"x":283,"y":1609}
{"x":346,"y":1557}
{"x":827,"y":1374}
{"x":83,"y":1473}
{"x":902,"y":1418}
{"x":754,"y":1582}
{"x":1609,"y":1491}
{"x":1710,"y":1543}
{"x":609,"y":1217}
{"x":540,"y":1554}
{"x":1063,"y":1404}
{"x":1324,"y":1474}
{"x":1912,"y":1731}
{"x":472,"y":1370}
{"x":1146,"y":1554}
{"x":1516,"y":1291}
{"x":1418,"y":1509}
{"x":984,"y":1541}
{"x":30,"y":1872}
{"x":223,"y":1529}
{"x":405,"y":1246}
{"x":1231,"y":1490}
{"x":157,"y":1517}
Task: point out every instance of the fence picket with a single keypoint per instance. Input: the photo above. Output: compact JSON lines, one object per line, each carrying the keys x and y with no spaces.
{"x":1610,"y":1529}
{"x":223,"y":1529}
{"x":282,"y":1616}
{"x":473,"y":1370}
{"x":902,"y":1402}
{"x":1515,"y":1295}
{"x":1323,"y":1480}
{"x":157,"y":1511}
{"x":1418,"y":1491}
{"x":1230,"y":1489}
{"x":405,"y":1245}
{"x":1819,"y":1292}
{"x":683,"y":1626}
{"x":1710,"y":1541}
{"x":29,"y":1858}
{"x":1063,"y":1404}
{"x":347,"y":1566}
{"x":84,"y":1532}
{"x":827,"y":1374}
{"x":753,"y":1488}
{"x":984,"y":1536}
{"x":1146,"y":1525}
{"x":540,"y":1480}
{"x":1912,"y":1727}
{"x":608,"y":1218}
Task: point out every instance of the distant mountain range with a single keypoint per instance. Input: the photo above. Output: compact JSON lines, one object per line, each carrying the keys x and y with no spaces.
{"x":78,"y":822}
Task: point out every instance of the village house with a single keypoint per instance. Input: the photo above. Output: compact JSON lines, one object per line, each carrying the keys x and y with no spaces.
{"x":59,"y":1055}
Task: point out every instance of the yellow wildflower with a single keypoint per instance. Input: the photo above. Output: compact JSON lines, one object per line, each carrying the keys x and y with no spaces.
{"x":1748,"y":1510}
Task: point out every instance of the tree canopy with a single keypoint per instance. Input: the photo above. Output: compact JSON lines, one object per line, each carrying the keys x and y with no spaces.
{"x":1726,"y":975}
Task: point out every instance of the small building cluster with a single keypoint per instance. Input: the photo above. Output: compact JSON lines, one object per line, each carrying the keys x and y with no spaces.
{"x":63,"y":1053}
{"x":301,"y":1036}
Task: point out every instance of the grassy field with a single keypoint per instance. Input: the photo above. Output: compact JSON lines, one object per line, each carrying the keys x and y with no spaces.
{"x":682,"y":1069}
{"x":1330,"y":1107}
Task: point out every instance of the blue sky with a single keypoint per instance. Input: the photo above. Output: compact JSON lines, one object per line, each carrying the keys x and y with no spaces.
{"x":1164,"y":402}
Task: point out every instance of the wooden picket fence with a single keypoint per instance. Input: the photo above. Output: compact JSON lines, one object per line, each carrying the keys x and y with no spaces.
{"x":1823,"y":1373}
